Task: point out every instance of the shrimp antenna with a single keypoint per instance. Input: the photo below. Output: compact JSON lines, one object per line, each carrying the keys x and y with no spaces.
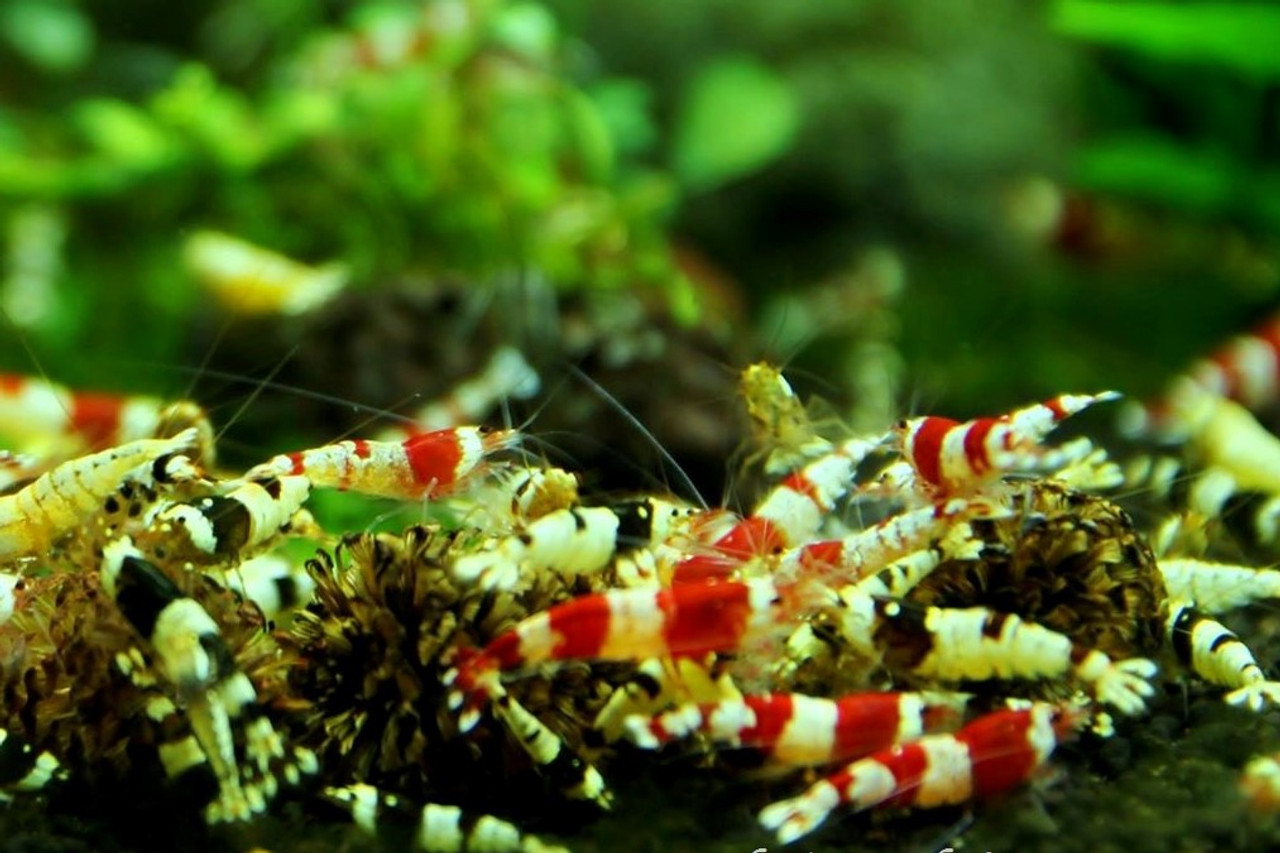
{"x":31,"y":353}
{"x":305,"y":393}
{"x":257,"y":391}
{"x":639,"y":427}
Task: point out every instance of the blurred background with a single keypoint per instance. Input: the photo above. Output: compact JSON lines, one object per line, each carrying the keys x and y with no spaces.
{"x":925,"y":206}
{"x":310,"y":216}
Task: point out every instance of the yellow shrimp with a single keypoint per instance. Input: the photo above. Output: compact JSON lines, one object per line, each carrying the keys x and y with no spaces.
{"x":61,"y":499}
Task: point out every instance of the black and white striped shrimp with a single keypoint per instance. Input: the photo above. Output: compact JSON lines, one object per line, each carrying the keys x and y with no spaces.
{"x":577,"y":778}
{"x":229,"y":527}
{"x":950,"y":645}
{"x":61,"y":499}
{"x":436,"y":828}
{"x":193,"y":659}
{"x":23,"y":768}
{"x":276,"y":584}
{"x":1196,"y":590}
{"x":575,"y":541}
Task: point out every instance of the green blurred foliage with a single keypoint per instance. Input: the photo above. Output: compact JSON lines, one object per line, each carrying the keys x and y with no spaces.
{"x":736,"y":117}
{"x":1185,"y":106}
{"x":1240,"y":38}
{"x":413,"y":139}
{"x":572,"y":139}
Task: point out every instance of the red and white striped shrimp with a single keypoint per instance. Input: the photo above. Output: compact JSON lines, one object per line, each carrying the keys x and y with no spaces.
{"x":32,"y":410}
{"x":630,"y":624}
{"x":792,"y":512}
{"x":993,"y":754}
{"x":1245,"y":369}
{"x":61,"y":499}
{"x":955,"y":458}
{"x":861,"y":554}
{"x":796,"y":730}
{"x":429,"y":465}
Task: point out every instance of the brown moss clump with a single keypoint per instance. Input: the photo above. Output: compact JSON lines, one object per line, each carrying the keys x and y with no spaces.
{"x":63,"y":691}
{"x":1067,"y":560}
{"x":376,"y":643}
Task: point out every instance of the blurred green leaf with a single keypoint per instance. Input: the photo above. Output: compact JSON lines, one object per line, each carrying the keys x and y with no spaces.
{"x":1205,"y":182}
{"x":624,"y":108}
{"x":527,"y":29}
{"x":1157,"y":170}
{"x":219,"y":119}
{"x":736,"y":118}
{"x":591,"y":135}
{"x":52,"y":35}
{"x":124,"y":133}
{"x":1241,"y":36}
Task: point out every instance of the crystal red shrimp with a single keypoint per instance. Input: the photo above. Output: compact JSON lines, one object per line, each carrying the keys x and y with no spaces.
{"x":790,"y":513}
{"x":428,"y":465}
{"x":629,"y":624}
{"x":796,"y":730}
{"x":33,"y":409}
{"x":861,"y":554}
{"x":60,"y":499}
{"x":955,"y":458}
{"x":993,"y":754}
{"x":1245,"y":369}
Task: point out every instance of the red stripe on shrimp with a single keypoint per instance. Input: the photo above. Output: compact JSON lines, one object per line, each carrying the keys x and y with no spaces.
{"x":630,"y":624}
{"x":924,"y":446}
{"x":975,"y":444}
{"x":96,"y":418}
{"x":437,"y":458}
